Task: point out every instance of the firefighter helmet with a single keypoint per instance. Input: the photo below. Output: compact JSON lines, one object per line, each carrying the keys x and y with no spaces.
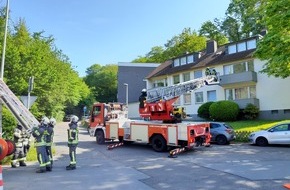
{"x":74,"y":119}
{"x":144,"y":90}
{"x":52,"y":121}
{"x":44,"y":120}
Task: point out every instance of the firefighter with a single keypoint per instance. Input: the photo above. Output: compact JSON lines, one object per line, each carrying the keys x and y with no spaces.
{"x":72,"y":142}
{"x":40,"y":133}
{"x":19,"y":156}
{"x":142,"y":98}
{"x":49,"y":139}
{"x":207,"y":71}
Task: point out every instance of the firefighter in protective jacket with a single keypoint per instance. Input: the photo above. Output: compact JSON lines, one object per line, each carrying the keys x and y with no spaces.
{"x":49,"y":138}
{"x":19,"y":156}
{"x":72,"y":142}
{"x":40,"y":133}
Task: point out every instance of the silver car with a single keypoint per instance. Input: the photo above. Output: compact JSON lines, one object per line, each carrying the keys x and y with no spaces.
{"x":277,"y":134}
{"x":221,"y":133}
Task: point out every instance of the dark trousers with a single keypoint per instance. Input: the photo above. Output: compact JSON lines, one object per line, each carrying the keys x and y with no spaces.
{"x":49,"y":153}
{"x":72,"y":154}
{"x":42,"y":157}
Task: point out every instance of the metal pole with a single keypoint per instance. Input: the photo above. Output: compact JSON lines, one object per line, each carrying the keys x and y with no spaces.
{"x":2,"y":64}
{"x":127,"y":98}
{"x":4,"y":42}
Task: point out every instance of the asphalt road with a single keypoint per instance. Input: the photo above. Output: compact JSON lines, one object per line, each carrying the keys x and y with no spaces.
{"x":134,"y":167}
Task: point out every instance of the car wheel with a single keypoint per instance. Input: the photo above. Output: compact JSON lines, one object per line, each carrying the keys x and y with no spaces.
{"x":261,"y":141}
{"x":100,"y":137}
{"x":221,"y":140}
{"x":159,"y":143}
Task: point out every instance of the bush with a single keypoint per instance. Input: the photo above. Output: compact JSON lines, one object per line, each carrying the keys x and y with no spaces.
{"x":224,"y":111}
{"x":203,"y":110}
{"x":8,"y":123}
{"x":251,"y":112}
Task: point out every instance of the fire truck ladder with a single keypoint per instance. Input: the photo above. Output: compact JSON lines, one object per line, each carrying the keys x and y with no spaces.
{"x":16,"y":107}
{"x":170,"y":92}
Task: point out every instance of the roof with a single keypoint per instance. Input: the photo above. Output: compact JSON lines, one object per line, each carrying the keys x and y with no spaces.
{"x":206,"y":60}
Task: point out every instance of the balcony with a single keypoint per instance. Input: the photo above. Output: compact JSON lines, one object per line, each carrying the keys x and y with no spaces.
{"x":243,"y":102}
{"x":238,"y":78}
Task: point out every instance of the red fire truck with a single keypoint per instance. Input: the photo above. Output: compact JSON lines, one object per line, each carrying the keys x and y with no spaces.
{"x":159,"y":127}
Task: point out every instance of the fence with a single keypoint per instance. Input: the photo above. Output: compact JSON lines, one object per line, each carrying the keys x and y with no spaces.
{"x":242,"y":136}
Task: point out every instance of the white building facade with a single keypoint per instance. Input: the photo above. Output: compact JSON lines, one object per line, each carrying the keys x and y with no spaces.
{"x":240,"y":79}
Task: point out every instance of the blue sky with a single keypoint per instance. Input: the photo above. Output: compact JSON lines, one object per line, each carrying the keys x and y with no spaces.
{"x":112,"y":31}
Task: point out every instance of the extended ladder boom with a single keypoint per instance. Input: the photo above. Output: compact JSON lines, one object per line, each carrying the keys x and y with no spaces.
{"x":170,"y":92}
{"x":16,"y":107}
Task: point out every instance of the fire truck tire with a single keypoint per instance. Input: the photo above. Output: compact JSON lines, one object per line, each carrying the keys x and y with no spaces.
{"x":159,"y":143}
{"x":100,"y":138}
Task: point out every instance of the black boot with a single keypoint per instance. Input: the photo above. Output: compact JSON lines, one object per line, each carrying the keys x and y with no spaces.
{"x":71,"y":167}
{"x":48,"y":168}
{"x":22,"y":163}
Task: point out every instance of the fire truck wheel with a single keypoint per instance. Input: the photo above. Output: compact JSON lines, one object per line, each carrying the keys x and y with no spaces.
{"x":100,"y":137}
{"x":159,"y":143}
{"x":221,"y":140}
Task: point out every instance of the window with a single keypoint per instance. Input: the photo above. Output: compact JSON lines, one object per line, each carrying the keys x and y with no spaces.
{"x":239,"y":67}
{"x":198,"y":97}
{"x":251,"y":44}
{"x":187,"y":98}
{"x":229,"y":94}
{"x":190,"y":59}
{"x":176,"y":62}
{"x":183,"y":61}
{"x":252,"y":92}
{"x":232,"y":49}
{"x":240,"y":93}
{"x":186,"y":77}
{"x":176,"y":79}
{"x":282,"y":127}
{"x":197,"y":74}
{"x":251,"y":65}
{"x":211,"y":96}
{"x":242,"y":46}
{"x":228,"y":69}
{"x":159,"y":83}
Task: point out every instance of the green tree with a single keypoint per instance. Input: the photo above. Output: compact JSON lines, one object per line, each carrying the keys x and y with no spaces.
{"x":187,"y":41}
{"x":103,"y":82}
{"x":213,"y":32}
{"x":275,"y":46}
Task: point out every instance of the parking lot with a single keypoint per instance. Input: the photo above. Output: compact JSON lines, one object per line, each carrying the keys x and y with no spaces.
{"x":234,"y":166}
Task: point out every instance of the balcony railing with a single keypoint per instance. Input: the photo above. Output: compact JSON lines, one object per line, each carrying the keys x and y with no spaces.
{"x":244,"y":77}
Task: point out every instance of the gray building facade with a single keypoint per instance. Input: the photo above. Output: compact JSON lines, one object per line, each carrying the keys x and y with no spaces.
{"x":132,"y":74}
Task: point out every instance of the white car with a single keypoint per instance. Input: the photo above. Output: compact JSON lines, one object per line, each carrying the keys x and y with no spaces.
{"x":277,"y":134}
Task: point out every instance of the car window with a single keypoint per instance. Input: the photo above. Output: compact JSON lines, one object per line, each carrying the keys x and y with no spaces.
{"x":228,"y":126}
{"x":282,"y":127}
{"x":214,"y":125}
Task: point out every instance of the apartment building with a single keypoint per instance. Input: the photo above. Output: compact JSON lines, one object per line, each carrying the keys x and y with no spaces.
{"x":240,"y":79}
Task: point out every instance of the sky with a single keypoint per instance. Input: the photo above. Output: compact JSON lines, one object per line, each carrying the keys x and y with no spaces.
{"x":112,"y":31}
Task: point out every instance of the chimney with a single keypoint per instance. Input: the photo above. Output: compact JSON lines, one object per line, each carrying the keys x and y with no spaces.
{"x":211,"y":46}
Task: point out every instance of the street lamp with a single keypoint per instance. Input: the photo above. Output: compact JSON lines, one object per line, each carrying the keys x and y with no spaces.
{"x":127,"y":94}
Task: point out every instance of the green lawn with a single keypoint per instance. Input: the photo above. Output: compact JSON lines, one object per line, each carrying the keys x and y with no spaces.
{"x":254,"y":125}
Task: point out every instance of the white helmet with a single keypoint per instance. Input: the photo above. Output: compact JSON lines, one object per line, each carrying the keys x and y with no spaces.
{"x":74,"y":119}
{"x":144,"y":90}
{"x":44,"y":120}
{"x":52,"y":121}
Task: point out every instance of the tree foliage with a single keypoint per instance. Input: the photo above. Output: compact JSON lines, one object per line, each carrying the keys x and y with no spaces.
{"x":56,"y":84}
{"x":275,"y":46}
{"x":187,"y":41}
{"x":103,"y":82}
{"x":213,"y":32}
